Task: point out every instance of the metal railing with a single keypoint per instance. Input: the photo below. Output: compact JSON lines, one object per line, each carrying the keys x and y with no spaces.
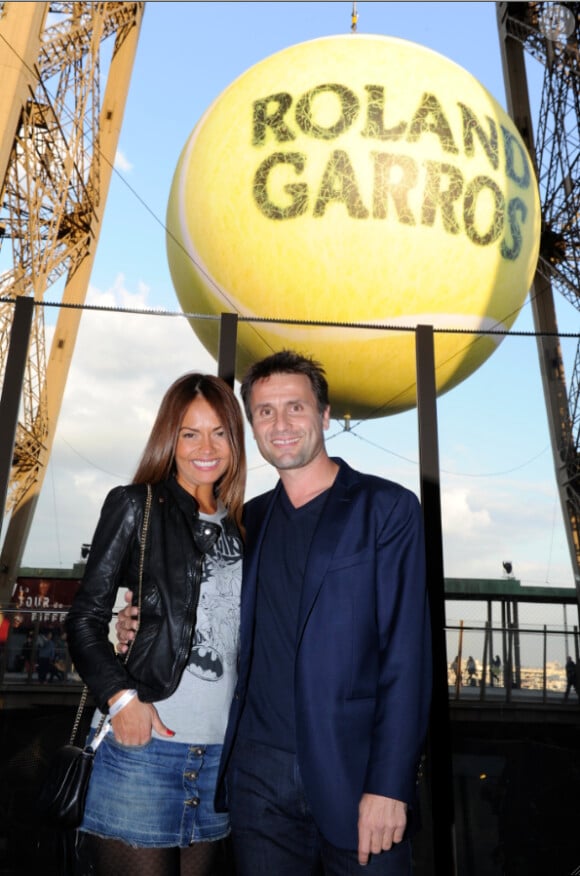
{"x":529,"y":665}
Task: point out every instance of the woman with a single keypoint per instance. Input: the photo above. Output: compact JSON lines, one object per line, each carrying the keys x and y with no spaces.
{"x":149,"y":809}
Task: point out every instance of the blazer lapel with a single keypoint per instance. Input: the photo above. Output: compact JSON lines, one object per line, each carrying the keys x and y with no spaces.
{"x":261,"y":511}
{"x":333,"y":520}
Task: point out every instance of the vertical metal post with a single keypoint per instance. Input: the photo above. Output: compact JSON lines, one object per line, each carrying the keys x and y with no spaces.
{"x":545,"y":664}
{"x":227,"y":347}
{"x":439,"y":762}
{"x":12,"y":390}
{"x":517,"y":650}
{"x":504,"y":641}
{"x":510,"y":660}
{"x":491,"y":651}
{"x":485,"y":660}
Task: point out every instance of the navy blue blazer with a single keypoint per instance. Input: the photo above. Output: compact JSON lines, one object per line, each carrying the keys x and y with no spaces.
{"x":363,"y":657}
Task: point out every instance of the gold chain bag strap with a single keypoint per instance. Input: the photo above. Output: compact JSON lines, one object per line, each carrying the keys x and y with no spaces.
{"x":144,"y":531}
{"x":61,"y":800}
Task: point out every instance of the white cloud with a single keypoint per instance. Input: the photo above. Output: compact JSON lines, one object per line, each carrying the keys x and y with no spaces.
{"x":122,"y":365}
{"x":122,"y":163}
{"x":458,"y":514}
{"x":487,"y":522}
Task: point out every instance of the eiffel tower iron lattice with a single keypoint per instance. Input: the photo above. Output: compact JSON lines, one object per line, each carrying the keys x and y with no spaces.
{"x":59,"y":138}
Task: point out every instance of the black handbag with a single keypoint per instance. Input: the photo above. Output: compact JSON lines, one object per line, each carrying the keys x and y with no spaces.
{"x":61,"y":801}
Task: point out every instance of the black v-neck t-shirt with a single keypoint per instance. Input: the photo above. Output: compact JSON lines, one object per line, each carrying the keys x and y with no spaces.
{"x":269,"y":716}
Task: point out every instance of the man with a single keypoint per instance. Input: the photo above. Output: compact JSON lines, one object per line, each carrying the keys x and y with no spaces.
{"x":329,"y":717}
{"x":571,"y":679}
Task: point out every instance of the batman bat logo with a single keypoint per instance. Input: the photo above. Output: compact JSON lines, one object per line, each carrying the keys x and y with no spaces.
{"x":206,"y":663}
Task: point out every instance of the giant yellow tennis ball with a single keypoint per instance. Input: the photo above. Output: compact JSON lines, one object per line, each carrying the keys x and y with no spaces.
{"x":356,"y":179}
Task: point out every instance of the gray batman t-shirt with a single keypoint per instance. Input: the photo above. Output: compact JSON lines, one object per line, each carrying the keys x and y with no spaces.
{"x":198,"y":710}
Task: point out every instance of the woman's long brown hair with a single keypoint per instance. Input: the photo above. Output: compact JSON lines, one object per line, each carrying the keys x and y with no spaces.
{"x":158,"y":459}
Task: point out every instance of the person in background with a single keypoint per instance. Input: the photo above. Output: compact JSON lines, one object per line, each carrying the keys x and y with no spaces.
{"x":150,"y":804}
{"x":495,"y":669}
{"x":455,"y":669}
{"x":46,"y":655}
{"x":15,"y":644}
{"x":27,"y":652}
{"x":571,"y":676}
{"x":471,"y":671}
{"x":58,"y":668}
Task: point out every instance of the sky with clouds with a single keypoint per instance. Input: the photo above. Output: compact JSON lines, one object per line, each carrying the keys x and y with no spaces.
{"x":499,"y":496}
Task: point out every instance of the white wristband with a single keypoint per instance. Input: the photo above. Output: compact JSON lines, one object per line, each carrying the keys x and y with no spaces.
{"x":123,"y":701}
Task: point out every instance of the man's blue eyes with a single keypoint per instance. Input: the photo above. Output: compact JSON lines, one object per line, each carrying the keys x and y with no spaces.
{"x":266,"y":412}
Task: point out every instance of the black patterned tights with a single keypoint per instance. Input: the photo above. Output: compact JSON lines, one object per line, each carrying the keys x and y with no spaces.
{"x":109,"y":857}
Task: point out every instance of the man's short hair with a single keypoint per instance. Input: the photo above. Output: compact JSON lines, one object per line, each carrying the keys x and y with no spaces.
{"x":286,"y":362}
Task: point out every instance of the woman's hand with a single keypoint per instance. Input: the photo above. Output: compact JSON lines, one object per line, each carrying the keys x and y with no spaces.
{"x":134,"y":724}
{"x":127,"y":624}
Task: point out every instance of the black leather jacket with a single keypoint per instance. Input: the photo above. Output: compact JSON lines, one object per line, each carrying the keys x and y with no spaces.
{"x":175,"y":544}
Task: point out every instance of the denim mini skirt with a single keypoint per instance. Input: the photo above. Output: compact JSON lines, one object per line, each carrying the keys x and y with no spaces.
{"x":155,"y":795}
